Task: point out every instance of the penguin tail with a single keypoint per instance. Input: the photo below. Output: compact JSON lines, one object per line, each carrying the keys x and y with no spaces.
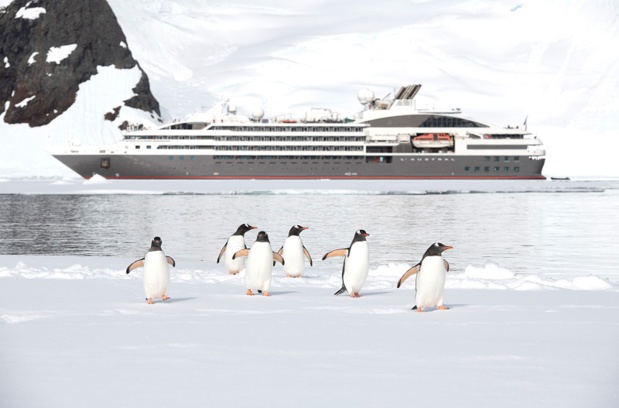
{"x":414,"y":307}
{"x":339,"y":292}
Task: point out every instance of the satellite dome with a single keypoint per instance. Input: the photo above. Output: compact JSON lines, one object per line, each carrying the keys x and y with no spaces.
{"x":257,"y":113}
{"x":365,"y":96}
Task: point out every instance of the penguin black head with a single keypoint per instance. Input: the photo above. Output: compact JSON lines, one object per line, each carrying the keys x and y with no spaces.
{"x":436,"y":249}
{"x":296,"y":230}
{"x":360,"y":236}
{"x":262,"y":237}
{"x":155,"y":244}
{"x":243,"y":228}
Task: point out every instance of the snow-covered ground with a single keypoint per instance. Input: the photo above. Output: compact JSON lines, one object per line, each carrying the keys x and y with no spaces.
{"x":554,"y":63}
{"x":75,"y":331}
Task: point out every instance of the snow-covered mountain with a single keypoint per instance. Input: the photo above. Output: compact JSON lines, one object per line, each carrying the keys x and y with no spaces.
{"x":553,"y":62}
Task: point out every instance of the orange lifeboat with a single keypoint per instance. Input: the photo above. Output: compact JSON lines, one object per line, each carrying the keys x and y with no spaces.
{"x":433,"y":141}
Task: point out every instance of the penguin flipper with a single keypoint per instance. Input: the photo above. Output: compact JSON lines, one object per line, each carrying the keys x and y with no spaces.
{"x":170,"y":260}
{"x":242,"y":252}
{"x":277,"y":257}
{"x":342,"y":290}
{"x":446,"y":265}
{"x":409,"y":273}
{"x":222,"y":251}
{"x":336,"y":252}
{"x":307,"y":255}
{"x":134,"y":265}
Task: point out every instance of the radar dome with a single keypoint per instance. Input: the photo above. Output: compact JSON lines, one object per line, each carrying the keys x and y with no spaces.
{"x":257,"y":113}
{"x":365,"y":96}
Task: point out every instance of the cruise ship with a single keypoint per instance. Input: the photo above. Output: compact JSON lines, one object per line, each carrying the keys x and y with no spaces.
{"x":389,"y":139}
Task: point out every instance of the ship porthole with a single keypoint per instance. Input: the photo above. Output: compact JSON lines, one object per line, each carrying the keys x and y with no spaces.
{"x":105,"y":163}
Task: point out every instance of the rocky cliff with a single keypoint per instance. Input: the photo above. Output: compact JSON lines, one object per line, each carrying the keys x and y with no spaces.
{"x":49,"y":47}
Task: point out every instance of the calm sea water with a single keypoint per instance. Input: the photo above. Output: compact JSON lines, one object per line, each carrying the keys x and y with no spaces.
{"x":550,"y":233}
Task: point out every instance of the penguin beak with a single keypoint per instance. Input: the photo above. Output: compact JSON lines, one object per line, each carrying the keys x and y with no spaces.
{"x":304,"y":228}
{"x":446,"y":247}
{"x":251,"y":228}
{"x":366,"y":234}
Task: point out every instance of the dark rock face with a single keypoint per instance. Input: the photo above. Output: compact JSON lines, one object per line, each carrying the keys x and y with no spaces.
{"x":25,"y":71}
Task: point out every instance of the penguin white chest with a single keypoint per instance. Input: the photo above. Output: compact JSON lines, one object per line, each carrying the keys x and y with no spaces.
{"x":430,"y":282}
{"x":235,"y":244}
{"x":259,"y":267}
{"x":156,"y":275}
{"x":294,"y":256}
{"x":356,"y":267}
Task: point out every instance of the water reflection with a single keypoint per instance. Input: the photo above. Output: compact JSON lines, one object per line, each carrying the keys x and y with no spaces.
{"x":533,"y":232}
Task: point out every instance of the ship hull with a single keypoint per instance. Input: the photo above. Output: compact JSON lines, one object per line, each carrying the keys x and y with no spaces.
{"x":429,"y":166}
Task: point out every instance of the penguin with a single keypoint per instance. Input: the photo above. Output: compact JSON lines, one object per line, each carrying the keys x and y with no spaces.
{"x":156,"y":272}
{"x":260,"y":261}
{"x":430,"y":279}
{"x":235,"y":243}
{"x":293,"y":251}
{"x":356,"y":264}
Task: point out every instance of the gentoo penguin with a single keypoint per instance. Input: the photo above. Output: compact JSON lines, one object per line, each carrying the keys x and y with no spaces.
{"x":356,"y":264}
{"x":156,"y":272}
{"x":235,"y":243}
{"x":260,"y":261}
{"x":430,"y":279}
{"x":293,"y":251}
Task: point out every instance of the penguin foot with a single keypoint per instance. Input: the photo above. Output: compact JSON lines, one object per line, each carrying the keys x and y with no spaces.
{"x":441,"y":307}
{"x":150,"y":301}
{"x":355,"y":295}
{"x":250,"y":293}
{"x":165,"y":297}
{"x":419,"y":310}
{"x":232,"y":272}
{"x":266,"y":293}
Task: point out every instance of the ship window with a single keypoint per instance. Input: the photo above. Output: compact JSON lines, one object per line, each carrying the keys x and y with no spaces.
{"x":506,"y":169}
{"x":105,"y":163}
{"x":516,"y":158}
{"x":467,"y":169}
{"x":148,"y":147}
{"x":181,"y":157}
{"x":137,"y":146}
{"x":516,"y":169}
{"x":170,"y":157}
{"x":496,"y":158}
{"x":497,"y":169}
{"x":486,"y":169}
{"x":506,"y":159}
{"x":449,"y":121}
{"x":486,"y":158}
{"x":476,"y":169}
